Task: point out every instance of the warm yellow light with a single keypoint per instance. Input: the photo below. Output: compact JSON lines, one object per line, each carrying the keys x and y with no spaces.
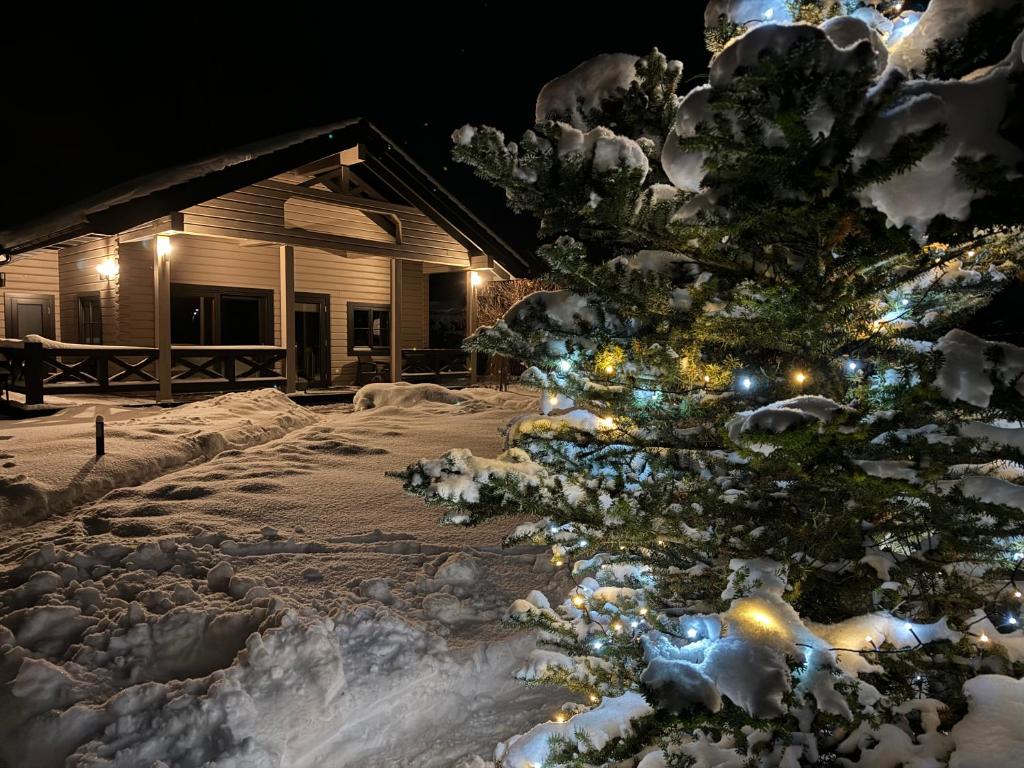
{"x":108,"y":268}
{"x":606,"y":422}
{"x":706,"y":378}
{"x":1017,"y":593}
{"x":593,"y":698}
{"x":868,"y":638}
{"x":799,"y":377}
{"x":643,"y":611}
{"x":559,"y":717}
{"x":163,"y":246}
{"x":609,"y":369}
{"x":553,"y":400}
{"x":617,"y":626}
{"x":558,"y":562}
{"x":578,"y":600}
{"x":983,"y":638}
{"x":474,"y":278}
{"x":765,"y":620}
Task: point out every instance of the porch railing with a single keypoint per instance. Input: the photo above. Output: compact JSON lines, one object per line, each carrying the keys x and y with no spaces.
{"x":441,"y":366}
{"x":35,"y":370}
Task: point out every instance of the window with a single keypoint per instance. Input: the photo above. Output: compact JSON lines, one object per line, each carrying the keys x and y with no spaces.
{"x":90,"y":319}
{"x":29,"y":313}
{"x":211,"y":315}
{"x":369,"y":328}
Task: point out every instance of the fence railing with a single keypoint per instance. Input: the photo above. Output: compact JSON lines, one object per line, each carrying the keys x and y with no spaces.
{"x":441,"y":366}
{"x":35,"y":370}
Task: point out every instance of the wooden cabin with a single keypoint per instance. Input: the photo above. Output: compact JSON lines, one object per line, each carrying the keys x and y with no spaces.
{"x":308,"y":261}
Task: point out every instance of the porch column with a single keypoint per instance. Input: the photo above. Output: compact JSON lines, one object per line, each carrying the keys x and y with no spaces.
{"x":396,"y":320}
{"x":472,"y":280}
{"x":162,"y":314}
{"x":287,"y":270}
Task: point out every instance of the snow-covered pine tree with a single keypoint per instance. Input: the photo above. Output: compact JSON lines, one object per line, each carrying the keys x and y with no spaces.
{"x":786,"y":484}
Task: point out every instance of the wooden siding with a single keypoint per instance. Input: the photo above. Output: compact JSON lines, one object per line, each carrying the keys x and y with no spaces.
{"x":135,"y":315}
{"x":78,"y":276}
{"x":415,"y":309}
{"x":257,"y":212}
{"x":36,"y":273}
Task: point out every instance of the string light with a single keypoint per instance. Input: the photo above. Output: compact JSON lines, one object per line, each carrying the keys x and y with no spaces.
{"x":691,"y":633}
{"x":583,"y":542}
{"x":800,"y":377}
{"x":983,"y":638}
{"x":559,"y":717}
{"x":706,"y":378}
{"x":578,"y":600}
{"x":1013,"y":620}
{"x":597,"y":645}
{"x":593,"y":698}
{"x":617,"y":626}
{"x":564,"y":365}
{"x":634,"y":623}
{"x":643,"y":611}
{"x":610,"y":370}
{"x":1017,"y":594}
{"x":606,"y":422}
{"x":746,"y":382}
{"x":909,"y":627}
{"x":553,"y":400}
{"x":852,"y":365}
{"x":868,"y":638}
{"x":559,"y":562}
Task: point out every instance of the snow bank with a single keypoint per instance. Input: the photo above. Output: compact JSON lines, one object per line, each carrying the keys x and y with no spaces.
{"x":51,"y":464}
{"x":402,"y":394}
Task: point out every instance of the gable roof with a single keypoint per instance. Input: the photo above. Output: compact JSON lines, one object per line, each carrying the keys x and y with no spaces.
{"x":149,"y":197}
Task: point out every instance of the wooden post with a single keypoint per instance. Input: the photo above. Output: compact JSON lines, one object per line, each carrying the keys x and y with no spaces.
{"x":471,"y":320}
{"x":101,"y":442}
{"x":396,"y":320}
{"x":287,"y":270}
{"x":162,"y":314}
{"x":33,"y":373}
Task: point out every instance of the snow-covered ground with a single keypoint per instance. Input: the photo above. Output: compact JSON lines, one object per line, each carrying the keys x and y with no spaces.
{"x":255,"y":592}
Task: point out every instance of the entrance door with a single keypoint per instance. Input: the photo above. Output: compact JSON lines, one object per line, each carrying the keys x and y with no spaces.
{"x":313,"y":339}
{"x":30,"y":313}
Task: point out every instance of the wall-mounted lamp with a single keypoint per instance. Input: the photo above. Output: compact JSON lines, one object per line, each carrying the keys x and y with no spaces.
{"x":108,"y":268}
{"x":475,"y":279}
{"x":163,"y":246}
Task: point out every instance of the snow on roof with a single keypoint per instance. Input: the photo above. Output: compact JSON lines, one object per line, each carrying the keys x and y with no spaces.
{"x":73,"y":218}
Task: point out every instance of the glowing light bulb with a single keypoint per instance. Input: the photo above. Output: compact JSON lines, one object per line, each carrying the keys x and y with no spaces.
{"x":746,"y":382}
{"x":706,"y":378}
{"x":908,"y":626}
{"x":643,"y":611}
{"x":593,"y":698}
{"x":661,"y":542}
{"x":691,"y":633}
{"x":852,"y":365}
{"x":163,"y":246}
{"x":606,"y":422}
{"x":1017,"y":593}
{"x":905,"y":302}
{"x":553,"y":400}
{"x":564,"y":365}
{"x":609,"y":369}
{"x":983,"y":638}
{"x":1013,"y":619}
{"x":583,"y":542}
{"x":474,"y":278}
{"x":970,"y":254}
{"x":868,"y":638}
{"x":799,"y":377}
{"x":617,"y":626}
{"x":634,"y":623}
{"x":597,"y":645}
{"x":558,"y":562}
{"x":559,"y":716}
{"x":578,"y":600}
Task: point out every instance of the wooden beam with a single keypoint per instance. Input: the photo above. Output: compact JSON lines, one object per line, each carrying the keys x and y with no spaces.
{"x":287,"y":273}
{"x":396,"y":320}
{"x":162,"y":252}
{"x":471,"y":321}
{"x":351,"y":156}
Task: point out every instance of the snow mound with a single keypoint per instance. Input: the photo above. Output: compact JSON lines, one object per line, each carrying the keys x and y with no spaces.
{"x":402,"y":394}
{"x":52,"y":464}
{"x":781,"y":416}
{"x":582,"y":89}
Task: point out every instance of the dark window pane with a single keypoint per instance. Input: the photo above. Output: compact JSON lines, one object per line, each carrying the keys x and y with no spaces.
{"x":360,"y":337}
{"x":241,"y":320}
{"x":361,"y":318}
{"x":186,"y":320}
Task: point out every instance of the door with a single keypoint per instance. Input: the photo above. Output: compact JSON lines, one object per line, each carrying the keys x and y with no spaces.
{"x":30,"y":313}
{"x":313,"y":339}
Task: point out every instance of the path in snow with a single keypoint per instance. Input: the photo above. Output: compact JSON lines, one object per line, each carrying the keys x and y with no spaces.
{"x":368,"y":633}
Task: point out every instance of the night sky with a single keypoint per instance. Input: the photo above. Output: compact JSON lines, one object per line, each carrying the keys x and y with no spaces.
{"x":94,"y":96}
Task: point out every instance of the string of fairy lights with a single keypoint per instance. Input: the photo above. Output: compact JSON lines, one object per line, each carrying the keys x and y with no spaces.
{"x":632,"y":624}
